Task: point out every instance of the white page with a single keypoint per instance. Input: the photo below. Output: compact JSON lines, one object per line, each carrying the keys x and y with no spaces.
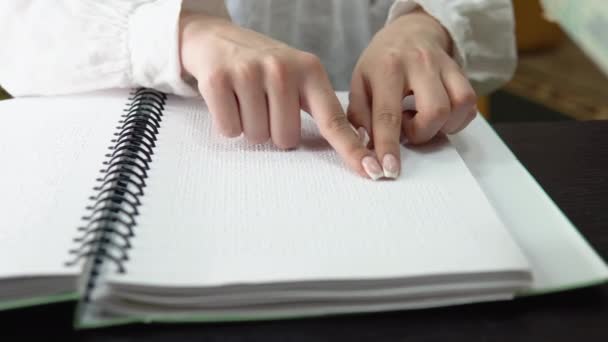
{"x":218,"y":212}
{"x":559,"y":256}
{"x":51,"y":151}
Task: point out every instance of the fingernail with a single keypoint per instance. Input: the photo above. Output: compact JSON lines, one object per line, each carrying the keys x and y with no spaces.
{"x":363,"y":135}
{"x":372,"y":168}
{"x":390,"y":164}
{"x":354,"y":130}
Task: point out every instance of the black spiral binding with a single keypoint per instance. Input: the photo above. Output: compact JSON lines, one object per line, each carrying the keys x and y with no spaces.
{"x":109,"y":225}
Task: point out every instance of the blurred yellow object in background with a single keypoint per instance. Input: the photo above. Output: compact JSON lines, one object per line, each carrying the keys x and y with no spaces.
{"x":532,"y":30}
{"x":483,"y":106}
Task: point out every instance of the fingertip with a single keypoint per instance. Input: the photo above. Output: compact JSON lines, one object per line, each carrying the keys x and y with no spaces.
{"x":388,"y":147}
{"x":229,"y":130}
{"x":231,"y":134}
{"x":286,"y":143}
{"x":361,"y":160}
{"x":391,"y":166}
{"x":372,"y":168}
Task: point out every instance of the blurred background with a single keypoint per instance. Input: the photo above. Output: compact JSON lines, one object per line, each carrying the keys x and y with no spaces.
{"x":563,"y":64}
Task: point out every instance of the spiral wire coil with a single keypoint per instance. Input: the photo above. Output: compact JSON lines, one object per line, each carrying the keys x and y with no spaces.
{"x":110,"y":223}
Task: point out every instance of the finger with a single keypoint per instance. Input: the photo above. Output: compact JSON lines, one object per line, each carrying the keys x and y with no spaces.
{"x":387,"y":96}
{"x":219,"y":95}
{"x":471,"y":115}
{"x":432,"y":106}
{"x":320,"y":101}
{"x":462,"y":98}
{"x":253,"y":108}
{"x":359,"y":109}
{"x":283,"y":105}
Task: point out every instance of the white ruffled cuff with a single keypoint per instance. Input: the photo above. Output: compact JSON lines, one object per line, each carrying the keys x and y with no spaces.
{"x":155,"y":48}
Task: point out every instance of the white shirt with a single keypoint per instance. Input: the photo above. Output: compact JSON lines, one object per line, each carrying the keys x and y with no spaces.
{"x":68,"y":46}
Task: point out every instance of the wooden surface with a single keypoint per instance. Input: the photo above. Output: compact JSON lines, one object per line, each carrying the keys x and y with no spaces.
{"x":570,"y":161}
{"x":563,"y":79}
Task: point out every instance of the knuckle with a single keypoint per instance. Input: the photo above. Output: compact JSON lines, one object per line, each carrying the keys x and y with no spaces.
{"x":423,"y":56}
{"x":391,"y":63}
{"x":218,"y":77}
{"x":247,"y":72}
{"x":311,"y":62}
{"x":388,"y":118}
{"x":465,"y":99}
{"x":336,"y":123}
{"x":277,"y":69}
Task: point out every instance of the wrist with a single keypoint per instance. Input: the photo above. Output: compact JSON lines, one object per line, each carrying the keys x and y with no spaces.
{"x":194,"y":28}
{"x":425,"y":24}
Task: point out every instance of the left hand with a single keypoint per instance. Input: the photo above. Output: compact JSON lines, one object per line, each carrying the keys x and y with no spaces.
{"x":411,"y":55}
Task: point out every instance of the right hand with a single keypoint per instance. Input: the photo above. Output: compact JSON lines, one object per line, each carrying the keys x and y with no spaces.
{"x":255,"y":85}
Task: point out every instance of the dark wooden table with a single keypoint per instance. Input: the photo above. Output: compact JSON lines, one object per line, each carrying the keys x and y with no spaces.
{"x":569,"y":159}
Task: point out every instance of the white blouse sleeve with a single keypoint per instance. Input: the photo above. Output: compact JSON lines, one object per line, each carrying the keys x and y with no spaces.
{"x":483,"y":33}
{"x":68,"y":46}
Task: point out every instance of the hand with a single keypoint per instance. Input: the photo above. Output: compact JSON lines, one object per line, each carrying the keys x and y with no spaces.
{"x":257,"y":86}
{"x":410,"y":55}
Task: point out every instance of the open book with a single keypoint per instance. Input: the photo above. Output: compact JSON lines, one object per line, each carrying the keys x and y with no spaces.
{"x":132,"y":204}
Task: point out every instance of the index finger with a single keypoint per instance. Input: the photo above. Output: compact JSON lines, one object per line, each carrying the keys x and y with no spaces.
{"x":322,"y":103}
{"x":387,"y":109}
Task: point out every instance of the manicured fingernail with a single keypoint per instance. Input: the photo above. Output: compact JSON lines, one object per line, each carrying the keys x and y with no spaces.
{"x":372,"y":168}
{"x":390,"y":164}
{"x":363,"y":135}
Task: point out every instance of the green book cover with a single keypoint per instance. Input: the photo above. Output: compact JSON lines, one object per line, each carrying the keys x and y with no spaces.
{"x":3,"y":94}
